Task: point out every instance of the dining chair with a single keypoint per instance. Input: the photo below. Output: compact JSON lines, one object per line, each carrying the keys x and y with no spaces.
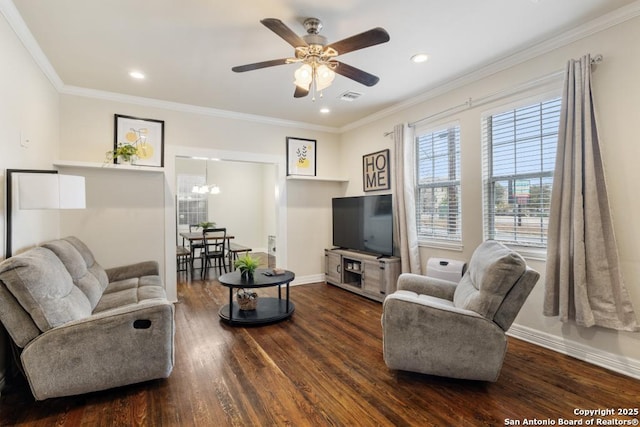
{"x":195,"y":248}
{"x":182,"y":259}
{"x":215,"y":243}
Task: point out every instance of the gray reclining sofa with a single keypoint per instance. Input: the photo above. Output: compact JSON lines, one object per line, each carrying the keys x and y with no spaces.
{"x":80,"y":328}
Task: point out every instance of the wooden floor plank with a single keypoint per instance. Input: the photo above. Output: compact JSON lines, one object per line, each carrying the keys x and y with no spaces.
{"x":322,"y":367}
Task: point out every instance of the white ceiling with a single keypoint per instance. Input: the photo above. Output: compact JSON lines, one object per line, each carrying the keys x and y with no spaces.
{"x":186,"y":48}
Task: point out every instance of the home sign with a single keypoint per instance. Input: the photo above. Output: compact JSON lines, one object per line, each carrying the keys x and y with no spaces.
{"x":375,"y":171}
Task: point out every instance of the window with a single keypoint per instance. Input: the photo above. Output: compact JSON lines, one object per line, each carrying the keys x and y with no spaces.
{"x":519,"y":159}
{"x":192,"y":207}
{"x":438,"y":184}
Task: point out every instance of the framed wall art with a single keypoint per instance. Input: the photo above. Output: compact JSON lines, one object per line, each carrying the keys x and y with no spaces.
{"x":146,"y":135}
{"x":376,"y":171}
{"x":301,"y":156}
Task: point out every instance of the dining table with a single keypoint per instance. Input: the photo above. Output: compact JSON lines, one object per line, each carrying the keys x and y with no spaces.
{"x":195,"y":237}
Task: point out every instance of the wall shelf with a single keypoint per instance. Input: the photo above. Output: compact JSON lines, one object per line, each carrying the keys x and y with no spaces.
{"x":315,"y":178}
{"x":106,"y":166}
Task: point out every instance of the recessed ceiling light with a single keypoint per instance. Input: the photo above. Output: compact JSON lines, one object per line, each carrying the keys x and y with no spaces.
{"x":419,"y":57}
{"x":325,"y":110}
{"x":136,"y":75}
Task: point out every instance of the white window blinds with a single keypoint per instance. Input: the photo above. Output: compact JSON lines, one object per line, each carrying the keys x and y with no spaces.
{"x":438,"y":184}
{"x":519,"y":159}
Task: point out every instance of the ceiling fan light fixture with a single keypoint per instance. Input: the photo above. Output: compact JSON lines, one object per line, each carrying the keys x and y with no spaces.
{"x":304,"y":76}
{"x":324,"y":77}
{"x":317,"y":71}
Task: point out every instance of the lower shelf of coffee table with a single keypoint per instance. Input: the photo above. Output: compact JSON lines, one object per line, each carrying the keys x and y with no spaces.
{"x":268,"y":310}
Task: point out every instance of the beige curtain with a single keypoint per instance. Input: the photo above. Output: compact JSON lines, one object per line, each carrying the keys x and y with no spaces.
{"x":583,"y":279}
{"x":404,"y":217}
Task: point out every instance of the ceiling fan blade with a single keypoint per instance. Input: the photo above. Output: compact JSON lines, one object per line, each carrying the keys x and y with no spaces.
{"x":300,"y":92}
{"x":356,"y":74}
{"x":278,"y":27}
{"x":258,"y":65}
{"x":360,"y":41}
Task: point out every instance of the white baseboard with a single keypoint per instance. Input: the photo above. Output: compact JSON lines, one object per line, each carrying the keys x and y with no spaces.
{"x":614,"y":362}
{"x":305,"y":280}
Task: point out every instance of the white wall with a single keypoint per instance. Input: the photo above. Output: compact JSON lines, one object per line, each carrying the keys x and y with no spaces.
{"x":242,"y":205}
{"x":310,"y":203}
{"x":617,"y":89}
{"x":86,"y":133}
{"x":28,"y":107}
{"x":269,"y":212}
{"x":123,"y":220}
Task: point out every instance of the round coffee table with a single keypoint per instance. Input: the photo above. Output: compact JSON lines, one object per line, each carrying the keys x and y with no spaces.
{"x":268,"y":310}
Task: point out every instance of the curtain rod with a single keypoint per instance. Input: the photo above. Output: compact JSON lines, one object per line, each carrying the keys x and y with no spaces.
{"x":470,"y":103}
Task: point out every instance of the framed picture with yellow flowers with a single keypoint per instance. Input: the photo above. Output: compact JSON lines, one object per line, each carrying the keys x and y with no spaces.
{"x":301,"y":156}
{"x":146,"y":136}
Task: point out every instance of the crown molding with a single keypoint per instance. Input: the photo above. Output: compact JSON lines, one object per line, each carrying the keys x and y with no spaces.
{"x":8,"y":9}
{"x":512,"y":59}
{"x":13,"y":17}
{"x":191,"y":109}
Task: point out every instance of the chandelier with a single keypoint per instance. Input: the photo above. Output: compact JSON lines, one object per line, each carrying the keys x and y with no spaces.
{"x":206,"y":189}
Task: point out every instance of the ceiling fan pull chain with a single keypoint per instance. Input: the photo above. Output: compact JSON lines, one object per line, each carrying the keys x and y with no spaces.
{"x":313,"y":87}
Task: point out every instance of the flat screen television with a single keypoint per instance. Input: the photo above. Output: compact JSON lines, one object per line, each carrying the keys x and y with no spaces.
{"x":363,"y":223}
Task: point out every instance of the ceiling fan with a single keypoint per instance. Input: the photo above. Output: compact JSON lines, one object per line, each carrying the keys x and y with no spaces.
{"x":319,"y":65}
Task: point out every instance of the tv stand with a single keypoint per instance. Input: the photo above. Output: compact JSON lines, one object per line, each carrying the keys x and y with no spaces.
{"x":368,"y":275}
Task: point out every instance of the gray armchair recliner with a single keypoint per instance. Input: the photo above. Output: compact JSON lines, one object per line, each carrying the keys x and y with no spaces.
{"x":457,"y":330}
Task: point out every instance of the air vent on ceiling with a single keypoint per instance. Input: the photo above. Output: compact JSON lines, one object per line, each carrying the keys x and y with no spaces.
{"x":350,"y":96}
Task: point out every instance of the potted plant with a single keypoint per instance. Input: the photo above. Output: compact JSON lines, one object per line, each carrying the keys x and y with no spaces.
{"x":124,"y":153}
{"x":206,"y":224}
{"x":247,"y":266}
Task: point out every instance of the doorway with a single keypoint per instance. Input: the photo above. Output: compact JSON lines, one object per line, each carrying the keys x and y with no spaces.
{"x":242,"y":203}
{"x":238,"y":196}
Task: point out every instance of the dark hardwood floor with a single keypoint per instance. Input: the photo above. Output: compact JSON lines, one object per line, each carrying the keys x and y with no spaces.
{"x":323,"y":367}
